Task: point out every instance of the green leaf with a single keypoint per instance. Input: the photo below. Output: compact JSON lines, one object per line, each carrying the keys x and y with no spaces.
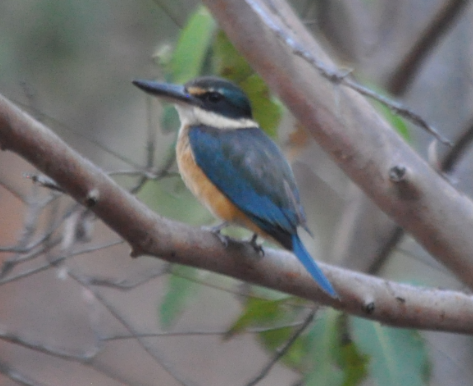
{"x":394,"y":120}
{"x":320,"y":353}
{"x":187,"y":59}
{"x":192,"y":47}
{"x":178,"y":292}
{"x":228,"y":62}
{"x":257,"y":312}
{"x":323,"y":343}
{"x":330,"y":359}
{"x":273,"y":339}
{"x":398,"y":356}
{"x":354,"y":363}
{"x":267,"y":111}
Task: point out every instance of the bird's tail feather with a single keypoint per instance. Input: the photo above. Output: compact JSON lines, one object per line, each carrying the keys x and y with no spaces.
{"x":311,"y":266}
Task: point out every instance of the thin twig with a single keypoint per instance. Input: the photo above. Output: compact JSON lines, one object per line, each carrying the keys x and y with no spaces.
{"x":18,"y":377}
{"x":8,"y":265}
{"x":13,"y":191}
{"x":26,"y":252}
{"x":459,"y":149}
{"x":47,"y":119}
{"x":170,"y":334}
{"x":164,"y":6}
{"x":54,"y":261}
{"x":157,"y":356}
{"x":126,"y":284}
{"x":44,"y":181}
{"x":341,"y":77}
{"x":49,"y":350}
{"x":398,"y":108}
{"x":283,"y":350}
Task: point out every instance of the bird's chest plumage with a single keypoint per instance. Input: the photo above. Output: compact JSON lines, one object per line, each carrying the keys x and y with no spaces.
{"x":200,"y":185}
{"x":242,"y":177}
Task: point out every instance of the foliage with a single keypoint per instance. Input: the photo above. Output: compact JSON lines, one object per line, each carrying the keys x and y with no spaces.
{"x":179,"y":288}
{"x":191,"y":49}
{"x":336,"y":350}
{"x":322,"y":354}
{"x":397,"y":356}
{"x":227,"y":62}
{"x":396,"y":122}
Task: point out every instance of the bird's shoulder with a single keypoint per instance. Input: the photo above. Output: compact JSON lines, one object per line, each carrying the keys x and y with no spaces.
{"x":250,"y":169}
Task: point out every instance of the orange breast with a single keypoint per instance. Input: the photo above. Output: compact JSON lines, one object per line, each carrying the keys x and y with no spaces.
{"x":205,"y":191}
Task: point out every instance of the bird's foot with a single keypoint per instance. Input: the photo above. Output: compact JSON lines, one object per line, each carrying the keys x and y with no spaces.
{"x":216,"y":230}
{"x":257,"y":247}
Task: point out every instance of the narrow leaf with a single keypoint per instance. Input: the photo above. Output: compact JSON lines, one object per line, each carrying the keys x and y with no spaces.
{"x":398,"y":356}
{"x":192,"y":46}
{"x":322,"y":343}
{"x":178,"y":293}
{"x":228,"y":63}
{"x":257,"y":312}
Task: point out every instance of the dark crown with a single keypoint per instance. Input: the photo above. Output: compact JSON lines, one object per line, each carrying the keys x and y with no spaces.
{"x":220,"y":96}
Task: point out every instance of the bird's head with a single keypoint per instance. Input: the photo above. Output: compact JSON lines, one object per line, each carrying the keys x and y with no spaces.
{"x":206,"y":100}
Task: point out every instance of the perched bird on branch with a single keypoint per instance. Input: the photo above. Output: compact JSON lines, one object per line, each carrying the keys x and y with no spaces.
{"x":233,"y":168}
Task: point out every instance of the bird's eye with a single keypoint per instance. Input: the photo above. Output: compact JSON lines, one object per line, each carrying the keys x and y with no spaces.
{"x":213,"y":97}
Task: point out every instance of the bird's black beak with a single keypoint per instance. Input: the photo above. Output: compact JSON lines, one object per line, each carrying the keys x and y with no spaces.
{"x":172,"y":93}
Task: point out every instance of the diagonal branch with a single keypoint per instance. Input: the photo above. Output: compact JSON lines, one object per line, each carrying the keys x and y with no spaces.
{"x":148,"y":233}
{"x":398,"y":180}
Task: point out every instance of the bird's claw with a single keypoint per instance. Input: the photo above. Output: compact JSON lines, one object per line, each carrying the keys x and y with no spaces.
{"x":223,"y":239}
{"x":257,"y":247}
{"x":216,"y":230}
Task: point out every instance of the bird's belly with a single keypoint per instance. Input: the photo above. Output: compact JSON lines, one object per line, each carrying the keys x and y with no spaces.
{"x":198,"y":183}
{"x":205,"y":191}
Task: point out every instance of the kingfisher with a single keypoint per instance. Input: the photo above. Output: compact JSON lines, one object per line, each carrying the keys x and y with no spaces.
{"x":233,"y":167}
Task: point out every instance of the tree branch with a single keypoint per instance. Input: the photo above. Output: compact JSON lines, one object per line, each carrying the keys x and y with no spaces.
{"x":148,"y":233}
{"x":351,"y":131}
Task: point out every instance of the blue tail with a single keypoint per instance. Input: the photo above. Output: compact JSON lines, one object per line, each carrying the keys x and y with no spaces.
{"x":311,"y":266}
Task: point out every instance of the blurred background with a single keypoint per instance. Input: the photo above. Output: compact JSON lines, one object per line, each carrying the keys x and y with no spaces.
{"x":77,"y":310}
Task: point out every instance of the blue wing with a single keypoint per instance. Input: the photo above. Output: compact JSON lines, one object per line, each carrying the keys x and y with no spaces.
{"x":246,"y":166}
{"x":251,"y":171}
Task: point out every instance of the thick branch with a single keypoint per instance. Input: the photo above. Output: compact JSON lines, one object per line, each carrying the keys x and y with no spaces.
{"x":351,"y":131}
{"x":391,"y":303}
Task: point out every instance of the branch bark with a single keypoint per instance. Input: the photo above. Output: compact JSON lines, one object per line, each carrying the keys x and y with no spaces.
{"x":377,"y":246}
{"x":150,"y":234}
{"x":401,"y":183}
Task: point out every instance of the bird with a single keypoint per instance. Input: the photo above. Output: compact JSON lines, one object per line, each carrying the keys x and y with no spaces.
{"x":233,"y":168}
